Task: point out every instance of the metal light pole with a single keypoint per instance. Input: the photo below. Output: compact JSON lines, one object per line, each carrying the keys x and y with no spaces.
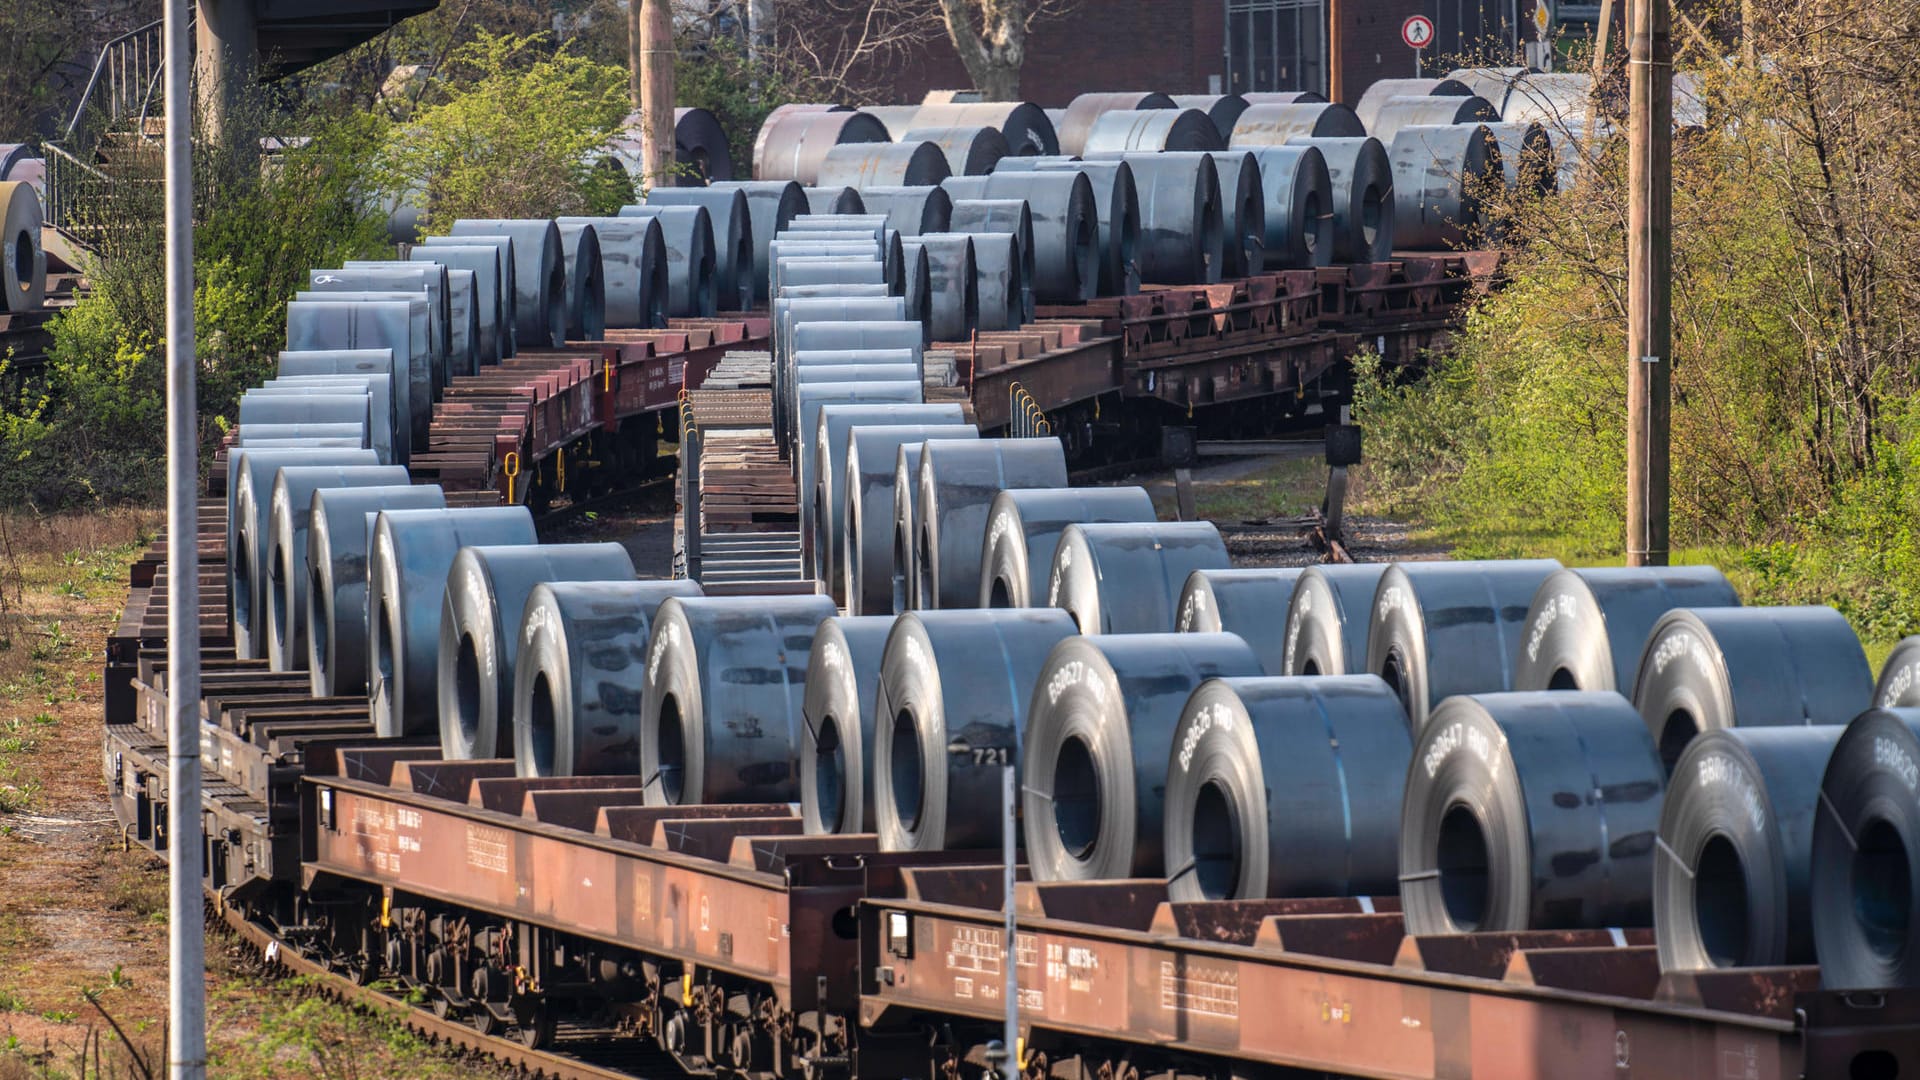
{"x":1649,"y":282}
{"x":1008,"y":1064}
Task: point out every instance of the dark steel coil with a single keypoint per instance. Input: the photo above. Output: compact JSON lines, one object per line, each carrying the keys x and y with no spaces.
{"x":1530,"y":811}
{"x":578,"y":679}
{"x":985,"y":216}
{"x":1409,"y":111}
{"x":1118,"y":205}
{"x":827,"y":495}
{"x":1732,"y":886}
{"x":866,"y":367}
{"x":908,"y":164}
{"x":1126,"y":577}
{"x":1151,"y":131}
{"x":1243,"y":208}
{"x":847,"y":315}
{"x":250,"y":476}
{"x":1443,"y":628}
{"x":956,"y":485}
{"x":365,"y":400}
{"x":399,"y":326}
{"x":733,"y":238}
{"x":771,"y":205}
{"x":339,"y":524}
{"x":823,"y":335}
{"x":1277,"y":125}
{"x":1023,"y":125}
{"x":1283,"y":97}
{"x":843,"y":675}
{"x":1360,"y":178}
{"x":970,"y":151}
{"x":860,"y":222}
{"x":23,"y":273}
{"x":1099,"y":733}
{"x":1182,"y":233}
{"x":1063,"y":221}
{"x":483,"y":261}
{"x":1383,"y":90}
{"x":1899,"y":683}
{"x":1586,"y":627}
{"x":1527,"y":159}
{"x":1023,"y":531}
{"x":1708,"y":668}
{"x":693,"y":264}
{"x":1223,"y":109}
{"x":1439,"y":176}
{"x":953,"y":677}
{"x":636,"y":284}
{"x":429,"y":278}
{"x":539,"y":275}
{"x":1082,"y":112}
{"x":873,"y":453}
{"x":283,"y":558}
{"x":1000,"y":281}
{"x":1300,"y":213}
{"x":464,"y":342}
{"x":506,"y":322}
{"x":911,"y":211}
{"x":1866,"y":841}
{"x":954,"y":278}
{"x":810,"y":399}
{"x":834,"y":199}
{"x":916,"y":282}
{"x":700,"y":145}
{"x":480,"y":619}
{"x":1286,"y":787}
{"x":1244,"y":602}
{"x":586,"y":287}
{"x":793,"y":146}
{"x":721,"y":705}
{"x":408,"y":557}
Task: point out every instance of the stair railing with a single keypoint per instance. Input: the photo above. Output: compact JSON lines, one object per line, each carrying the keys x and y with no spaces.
{"x":123,"y":77}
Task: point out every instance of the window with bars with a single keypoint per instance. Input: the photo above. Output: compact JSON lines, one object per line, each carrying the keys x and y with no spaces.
{"x":1276,"y":45}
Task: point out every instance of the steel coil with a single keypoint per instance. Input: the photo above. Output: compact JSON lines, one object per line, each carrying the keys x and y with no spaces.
{"x":453,"y":303}
{"x":1491,"y":83}
{"x":1409,"y":111}
{"x":692,"y":261}
{"x":969,"y":151}
{"x":834,"y":199}
{"x":635,"y":282}
{"x":1223,"y":109}
{"x":1126,"y":577}
{"x":1084,"y":111}
{"x":284,"y":554}
{"x":1864,"y":848}
{"x":540,"y":276}
{"x":1118,"y":204}
{"x":1243,"y":208}
{"x":480,"y":621}
{"x":288,"y":436}
{"x":1099,"y":733}
{"x":23,"y":269}
{"x":700,"y":146}
{"x":794,"y":146}
{"x":464,"y":358}
{"x":1062,"y":222}
{"x":250,"y":475}
{"x":460,"y":251}
{"x":363,"y":281}
{"x":1439,"y":176}
{"x":1023,"y":125}
{"x":873,"y":455}
{"x":847,"y":317}
{"x":1286,"y":787}
{"x":860,"y":222}
{"x":954,"y":278}
{"x":1586,"y":627}
{"x":826,"y":554}
{"x":1899,"y":683}
{"x":1527,"y":160}
{"x":911,"y":211}
{"x":733,"y":239}
{"x":1000,"y":281}
{"x":809,"y":372}
{"x":1243,"y":602}
{"x":586,"y":294}
{"x":1443,"y":628}
{"x":1709,"y":668}
{"x":399,"y":326}
{"x":1300,"y":212}
{"x":408,"y":557}
{"x":1036,"y":163}
{"x":809,"y":400}
{"x":843,"y":675}
{"x":782,"y":112}
{"x":366,"y":400}
{"x":483,"y":262}
{"x":1530,"y":811}
{"x":801,"y":271}
{"x":339,"y":526}
{"x":903,"y":164}
{"x":916,"y":282}
{"x":1182,"y":233}
{"x":950,"y":706}
{"x":1278,"y":125}
{"x":1283,"y":97}
{"x":955,"y":487}
{"x":899,"y":119}
{"x":985,"y":216}
{"x":827,"y":335}
{"x":1384,"y":90}
{"x":771,"y":205}
{"x":579,"y":675}
{"x":721,"y":705}
{"x":1733,"y":885}
{"x":1023,"y":531}
{"x":1151,"y":131}
{"x":1360,"y":178}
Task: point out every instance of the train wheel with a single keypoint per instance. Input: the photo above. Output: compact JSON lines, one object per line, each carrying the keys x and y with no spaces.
{"x":535,"y":1024}
{"x":481,"y":1017}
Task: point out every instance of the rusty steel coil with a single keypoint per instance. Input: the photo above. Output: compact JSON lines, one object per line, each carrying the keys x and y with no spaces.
{"x":1283,"y":787}
{"x":910,"y":211}
{"x":970,"y":151}
{"x":829,"y":492}
{"x":408,"y":557}
{"x":720,"y":708}
{"x":366,"y":400}
{"x":250,"y":476}
{"x":283,"y":558}
{"x":953,"y":275}
{"x":1360,"y":178}
{"x":1866,"y":840}
{"x":1023,"y":125}
{"x":1586,"y":627}
{"x":1182,"y":233}
{"x":700,"y":144}
{"x":540,"y":276}
{"x":1001,"y":285}
{"x":1076,"y":123}
{"x":1023,"y":531}
{"x":1100,"y":729}
{"x":23,"y":272}
{"x":1126,"y":577}
{"x":1243,"y":208}
{"x":1243,"y":602}
{"x":467,"y":252}
{"x":951,"y":702}
{"x":693,"y":261}
{"x":578,"y":677}
{"x":1223,"y":109}
{"x":1118,"y":206}
{"x":1899,"y":683}
{"x":483,"y":262}
{"x":480,"y":620}
{"x":339,"y":526}
{"x":362,"y":281}
{"x":1277,"y":125}
{"x":1151,"y":131}
{"x":397,"y":325}
{"x":782,"y":112}
{"x":870,"y":523}
{"x":904,"y":164}
{"x":635,"y":281}
{"x":733,"y":239}
{"x":1733,"y":884}
{"x":1530,"y":811}
{"x":586,"y":295}
{"x":771,"y":206}
{"x":1708,"y":668}
{"x":1440,"y":174}
{"x":794,"y":145}
{"x":1328,"y":618}
{"x":1409,"y":111}
{"x":1384,"y":90}
{"x":843,"y":675}
{"x":955,"y":487}
{"x":1301,"y":211}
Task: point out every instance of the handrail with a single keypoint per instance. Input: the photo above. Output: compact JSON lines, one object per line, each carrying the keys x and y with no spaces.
{"x":143,"y":42}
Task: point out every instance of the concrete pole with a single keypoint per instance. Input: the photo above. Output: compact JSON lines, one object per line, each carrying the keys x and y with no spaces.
{"x":228,"y":55}
{"x":657,"y":88}
{"x":633,"y":54}
{"x":1649,"y":279}
{"x":186,"y":912}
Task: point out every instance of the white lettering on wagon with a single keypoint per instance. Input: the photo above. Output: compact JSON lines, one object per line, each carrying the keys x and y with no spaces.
{"x":1189,"y":987}
{"x":487,"y":849}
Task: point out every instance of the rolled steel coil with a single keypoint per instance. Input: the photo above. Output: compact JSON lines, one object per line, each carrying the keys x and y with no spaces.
{"x":635,"y":282}
{"x":366,"y":400}
{"x":794,"y":146}
{"x":1126,"y":577}
{"x":911,"y":211}
{"x":1527,"y":160}
{"x":1899,"y":683}
{"x":483,"y":262}
{"x":834,"y":199}
{"x":806,"y":372}
{"x":579,"y":675}
{"x":1301,"y":208}
{"x":782,"y":112}
{"x":1491,"y":83}
{"x":23,"y":269}
{"x":1223,"y":109}
{"x":954,"y":278}
{"x":1278,"y":125}
{"x":846,"y":314}
{"x":1243,"y":208}
{"x":444,"y":285}
{"x":771,"y":205}
{"x":364,"y":280}
{"x":813,"y":397}
{"x":1023,"y":531}
{"x":693,"y":263}
{"x":460,"y":252}
{"x":1242,"y":602}
{"x":464,"y":342}
{"x":1530,"y":811}
{"x":985,"y":216}
{"x":339,"y":526}
{"x":946,"y":678}
{"x":1119,"y":210}
{"x":1151,"y":131}
{"x":1023,"y":125}
{"x":1360,"y":178}
{"x":970,"y":151}
{"x":1000,"y":277}
{"x":1556,"y":100}
{"x":825,"y":334}
{"x":1443,"y":628}
{"x":586,"y":288}
{"x":700,"y":146}
{"x":1586,"y":627}
{"x":1410,"y":111}
{"x":907,"y":164}
{"x":1084,"y":111}
{"x":480,"y":620}
{"x":1283,"y":97}
{"x":899,"y":119}
{"x":721,"y":705}
{"x":843,"y":675}
{"x":286,"y":576}
{"x":249,"y":502}
{"x":733,"y":239}
{"x":1063,"y":221}
{"x":1439,"y":176}
{"x":1182,"y":233}
{"x":955,"y":488}
{"x":540,"y":276}
{"x":1283,"y":787}
{"x":408,"y":557}
{"x":392,"y":325}
{"x":799,"y":271}
{"x":1032,"y":164}
{"x":1099,"y":733}
{"x":829,"y":491}
{"x":1864,"y":848}
{"x":15,"y":158}
{"x":1384,"y":90}
{"x":1708,"y":668}
{"x":849,"y":222}
{"x":1733,"y":887}
{"x":873,"y":455}
{"x":285,"y":436}
{"x":916,"y":282}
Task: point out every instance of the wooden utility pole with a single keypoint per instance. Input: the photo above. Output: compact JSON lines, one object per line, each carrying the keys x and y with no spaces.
{"x":656,"y":86}
{"x":1333,"y":51}
{"x":634,"y":32}
{"x":1649,"y":278}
